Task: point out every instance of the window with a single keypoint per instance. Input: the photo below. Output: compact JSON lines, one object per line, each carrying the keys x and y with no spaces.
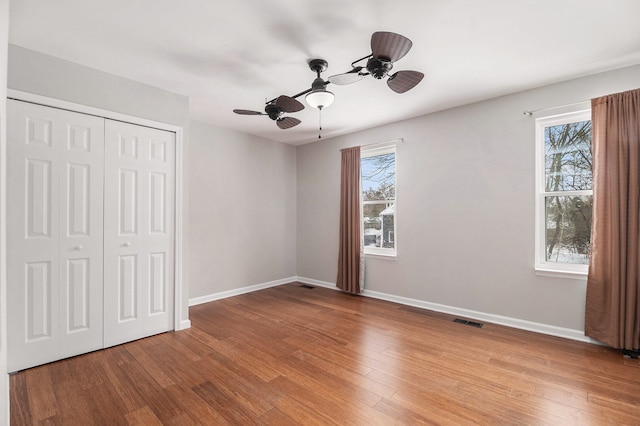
{"x":378,"y":168}
{"x":565,"y":194}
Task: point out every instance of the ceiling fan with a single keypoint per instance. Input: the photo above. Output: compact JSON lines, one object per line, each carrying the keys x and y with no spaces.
{"x":386,"y":48}
{"x":317,"y":96}
{"x":275,"y":109}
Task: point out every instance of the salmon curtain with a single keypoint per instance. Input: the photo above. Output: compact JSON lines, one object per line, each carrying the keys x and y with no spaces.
{"x":351,"y":251}
{"x":613,"y":296}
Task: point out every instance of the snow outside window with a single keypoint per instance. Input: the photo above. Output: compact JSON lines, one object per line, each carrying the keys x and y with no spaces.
{"x":378,"y":168}
{"x":564,"y":189}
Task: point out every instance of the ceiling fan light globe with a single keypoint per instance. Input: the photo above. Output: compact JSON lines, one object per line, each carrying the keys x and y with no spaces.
{"x":319,"y":98}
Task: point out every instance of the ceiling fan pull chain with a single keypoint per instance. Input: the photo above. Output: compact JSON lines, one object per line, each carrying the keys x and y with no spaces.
{"x":320,"y":123}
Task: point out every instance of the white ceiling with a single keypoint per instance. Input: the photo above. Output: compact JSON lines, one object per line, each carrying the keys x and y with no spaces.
{"x":237,"y":53}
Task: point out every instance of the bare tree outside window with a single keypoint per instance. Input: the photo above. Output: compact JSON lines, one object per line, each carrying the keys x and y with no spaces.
{"x":568,"y":196}
{"x":378,"y":197}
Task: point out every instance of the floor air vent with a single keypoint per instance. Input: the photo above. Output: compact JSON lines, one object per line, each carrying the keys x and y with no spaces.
{"x":310,"y":287}
{"x":466,"y":322}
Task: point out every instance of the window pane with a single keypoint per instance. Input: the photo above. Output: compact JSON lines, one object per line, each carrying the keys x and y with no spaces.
{"x":568,"y":156}
{"x":388,"y":219}
{"x":379,"y":225}
{"x":372,"y":224}
{"x":378,"y":177}
{"x":568,"y":228}
{"x":378,"y":196}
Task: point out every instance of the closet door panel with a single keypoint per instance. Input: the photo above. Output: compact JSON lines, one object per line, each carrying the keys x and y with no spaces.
{"x":50,"y":212}
{"x":81,"y":239}
{"x":39,"y":302}
{"x":127,"y":288}
{"x":139,"y":231}
{"x":32,"y":237}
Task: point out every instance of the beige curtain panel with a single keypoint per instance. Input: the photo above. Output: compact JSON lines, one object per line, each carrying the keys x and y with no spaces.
{"x":350,"y":254}
{"x":613,"y":296}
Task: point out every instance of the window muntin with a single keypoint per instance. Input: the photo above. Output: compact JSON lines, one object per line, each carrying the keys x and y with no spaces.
{"x":378,"y":182}
{"x":565,"y":192}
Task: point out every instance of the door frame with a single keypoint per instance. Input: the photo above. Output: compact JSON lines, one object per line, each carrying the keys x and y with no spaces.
{"x":178,"y":309}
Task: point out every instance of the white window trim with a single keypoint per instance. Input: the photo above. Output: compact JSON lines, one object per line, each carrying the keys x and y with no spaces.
{"x":379,"y":252}
{"x":542,"y":267}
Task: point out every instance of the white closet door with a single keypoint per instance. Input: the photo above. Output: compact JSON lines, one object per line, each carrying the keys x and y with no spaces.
{"x":54,"y":235}
{"x":139,"y":231}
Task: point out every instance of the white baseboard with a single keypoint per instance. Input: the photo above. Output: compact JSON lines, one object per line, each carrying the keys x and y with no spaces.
{"x":237,"y":291}
{"x":551,"y":330}
{"x":521,"y":324}
{"x":311,"y":281}
{"x":184,"y":324}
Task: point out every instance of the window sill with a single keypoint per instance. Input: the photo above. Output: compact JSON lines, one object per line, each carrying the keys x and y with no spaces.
{"x":574,"y":275}
{"x":381,"y":256}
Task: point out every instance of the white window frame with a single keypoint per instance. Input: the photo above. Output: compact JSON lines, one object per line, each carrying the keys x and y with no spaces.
{"x":542,"y":267}
{"x":372,"y":152}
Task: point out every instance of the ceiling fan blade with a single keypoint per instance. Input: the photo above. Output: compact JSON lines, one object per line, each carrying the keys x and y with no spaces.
{"x":347,"y":77}
{"x":389,"y":45}
{"x":289,"y":104}
{"x":247,"y":112}
{"x":403,"y":81}
{"x":287,"y":122}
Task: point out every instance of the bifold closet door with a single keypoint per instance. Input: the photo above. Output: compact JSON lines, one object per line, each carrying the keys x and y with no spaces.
{"x":54,"y":234}
{"x":139,"y":231}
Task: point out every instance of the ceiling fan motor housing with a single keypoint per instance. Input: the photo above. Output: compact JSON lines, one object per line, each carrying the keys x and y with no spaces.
{"x":379,"y":67}
{"x":318,"y":84}
{"x":272,"y":111}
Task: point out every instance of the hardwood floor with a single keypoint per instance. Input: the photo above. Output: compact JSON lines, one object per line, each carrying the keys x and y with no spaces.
{"x":291,"y":355}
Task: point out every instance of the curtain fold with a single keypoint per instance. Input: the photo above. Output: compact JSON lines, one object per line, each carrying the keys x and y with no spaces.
{"x":612,"y":313}
{"x":350,"y":254}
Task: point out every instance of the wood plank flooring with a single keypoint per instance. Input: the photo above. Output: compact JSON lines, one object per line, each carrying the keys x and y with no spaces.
{"x":291,"y":355}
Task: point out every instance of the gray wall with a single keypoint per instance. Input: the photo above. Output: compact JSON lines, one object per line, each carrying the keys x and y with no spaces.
{"x":33,"y":72}
{"x":243,"y":210}
{"x":45,"y":75}
{"x":465,"y":185}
